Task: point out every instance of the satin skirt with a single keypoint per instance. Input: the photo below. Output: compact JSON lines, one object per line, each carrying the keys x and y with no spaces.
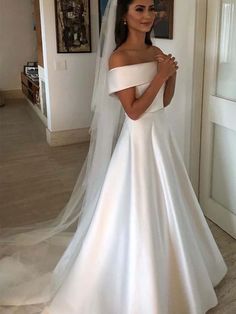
{"x":149,"y":249}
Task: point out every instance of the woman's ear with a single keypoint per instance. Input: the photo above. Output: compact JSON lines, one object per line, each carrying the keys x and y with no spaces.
{"x":124,"y":20}
{"x":124,"y":17}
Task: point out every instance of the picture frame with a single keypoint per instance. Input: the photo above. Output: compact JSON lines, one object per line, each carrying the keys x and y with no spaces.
{"x":163,"y":25}
{"x":32,"y":64}
{"x":73,"y":26}
{"x":30,"y":70}
{"x":101,"y":6}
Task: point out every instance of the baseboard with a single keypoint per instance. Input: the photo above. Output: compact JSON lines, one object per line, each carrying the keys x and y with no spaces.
{"x":12,"y":94}
{"x":61,"y":138}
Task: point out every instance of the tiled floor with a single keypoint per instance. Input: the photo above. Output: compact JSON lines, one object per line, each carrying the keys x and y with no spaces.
{"x":36,"y":181}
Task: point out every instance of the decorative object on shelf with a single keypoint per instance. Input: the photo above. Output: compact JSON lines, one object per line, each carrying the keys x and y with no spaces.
{"x":73,"y":26}
{"x":102,"y":7}
{"x":32,"y":64}
{"x":32,"y":72}
{"x":30,"y":88}
{"x":163,"y":25}
{"x":28,"y":70}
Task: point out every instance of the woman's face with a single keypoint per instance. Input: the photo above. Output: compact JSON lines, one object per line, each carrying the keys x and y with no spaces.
{"x":141,"y":15}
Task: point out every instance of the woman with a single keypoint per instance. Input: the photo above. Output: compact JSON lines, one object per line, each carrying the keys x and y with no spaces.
{"x":142,"y":244}
{"x":149,"y":248}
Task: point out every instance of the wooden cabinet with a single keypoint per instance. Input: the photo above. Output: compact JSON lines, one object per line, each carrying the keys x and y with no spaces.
{"x":30,"y":88}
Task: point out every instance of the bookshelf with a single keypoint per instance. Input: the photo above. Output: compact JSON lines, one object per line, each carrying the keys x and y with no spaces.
{"x":30,"y":88}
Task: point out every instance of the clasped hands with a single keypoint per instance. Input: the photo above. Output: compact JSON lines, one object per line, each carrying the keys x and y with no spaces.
{"x":167,"y":65}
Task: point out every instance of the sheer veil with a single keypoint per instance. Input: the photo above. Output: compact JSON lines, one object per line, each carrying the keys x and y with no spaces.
{"x":35,"y":259}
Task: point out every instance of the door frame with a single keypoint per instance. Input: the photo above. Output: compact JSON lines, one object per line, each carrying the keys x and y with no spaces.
{"x":197,"y":93}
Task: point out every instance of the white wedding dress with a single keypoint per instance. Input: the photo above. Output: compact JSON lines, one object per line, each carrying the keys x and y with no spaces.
{"x":148,"y":249}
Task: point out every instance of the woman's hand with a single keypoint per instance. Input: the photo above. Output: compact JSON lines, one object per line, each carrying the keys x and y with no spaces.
{"x":160,"y":57}
{"x":167,"y":66}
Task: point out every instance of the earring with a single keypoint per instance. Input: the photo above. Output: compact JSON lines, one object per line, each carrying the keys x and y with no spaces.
{"x":125,"y":22}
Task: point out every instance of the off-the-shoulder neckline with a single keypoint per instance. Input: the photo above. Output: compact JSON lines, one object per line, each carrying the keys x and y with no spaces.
{"x":128,"y":65}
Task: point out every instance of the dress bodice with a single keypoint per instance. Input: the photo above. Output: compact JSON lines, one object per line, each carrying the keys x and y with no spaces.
{"x":135,"y":75}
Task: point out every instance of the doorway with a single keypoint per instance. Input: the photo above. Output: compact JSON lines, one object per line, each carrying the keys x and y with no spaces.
{"x":218,"y":135}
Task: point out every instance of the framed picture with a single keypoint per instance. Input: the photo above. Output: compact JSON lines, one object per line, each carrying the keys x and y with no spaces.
{"x":102,"y":7}
{"x":32,"y":64}
{"x":73,"y":26}
{"x":30,"y":70}
{"x":163,"y":25}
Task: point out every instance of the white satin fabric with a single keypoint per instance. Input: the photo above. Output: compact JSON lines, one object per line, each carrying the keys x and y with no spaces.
{"x":149,"y":249}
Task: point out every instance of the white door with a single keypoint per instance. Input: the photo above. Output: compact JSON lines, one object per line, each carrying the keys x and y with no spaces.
{"x":218,"y":148}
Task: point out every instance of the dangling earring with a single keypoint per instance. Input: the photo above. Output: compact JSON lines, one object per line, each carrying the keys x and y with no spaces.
{"x":125,"y":22}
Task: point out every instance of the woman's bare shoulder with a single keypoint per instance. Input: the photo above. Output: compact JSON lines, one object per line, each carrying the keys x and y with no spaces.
{"x":118,"y":58}
{"x":156,"y":50}
{"x":121,"y":56}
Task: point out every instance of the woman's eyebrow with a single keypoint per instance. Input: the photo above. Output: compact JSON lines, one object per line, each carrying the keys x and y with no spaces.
{"x":143,"y":6}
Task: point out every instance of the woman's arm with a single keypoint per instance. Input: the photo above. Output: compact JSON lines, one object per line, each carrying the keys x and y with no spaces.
{"x":135,"y":107}
{"x":169,"y":89}
{"x":170,"y":83}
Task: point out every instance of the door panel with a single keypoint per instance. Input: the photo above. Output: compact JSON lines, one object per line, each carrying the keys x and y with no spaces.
{"x":223,"y":185}
{"x":226,"y":78}
{"x":218,"y":149}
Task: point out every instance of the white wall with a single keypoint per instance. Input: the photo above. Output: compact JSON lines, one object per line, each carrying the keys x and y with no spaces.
{"x":69,"y":90}
{"x":17,"y":41}
{"x":182,"y":47}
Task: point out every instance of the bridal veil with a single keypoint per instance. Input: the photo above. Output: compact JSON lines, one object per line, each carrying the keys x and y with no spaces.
{"x":35,"y":259}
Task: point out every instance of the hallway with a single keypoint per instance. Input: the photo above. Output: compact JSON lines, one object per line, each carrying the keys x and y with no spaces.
{"x":36,"y":181}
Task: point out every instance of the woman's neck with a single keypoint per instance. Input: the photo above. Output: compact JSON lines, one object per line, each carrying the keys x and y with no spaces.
{"x":136,"y":41}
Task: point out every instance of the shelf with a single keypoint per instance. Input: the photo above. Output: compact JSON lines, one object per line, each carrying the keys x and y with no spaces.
{"x":30,"y":88}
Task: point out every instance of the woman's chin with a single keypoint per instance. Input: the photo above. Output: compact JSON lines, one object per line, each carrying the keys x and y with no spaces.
{"x":146,"y":28}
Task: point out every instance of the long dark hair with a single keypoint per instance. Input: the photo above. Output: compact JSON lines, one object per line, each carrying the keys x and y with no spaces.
{"x":121,"y":29}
